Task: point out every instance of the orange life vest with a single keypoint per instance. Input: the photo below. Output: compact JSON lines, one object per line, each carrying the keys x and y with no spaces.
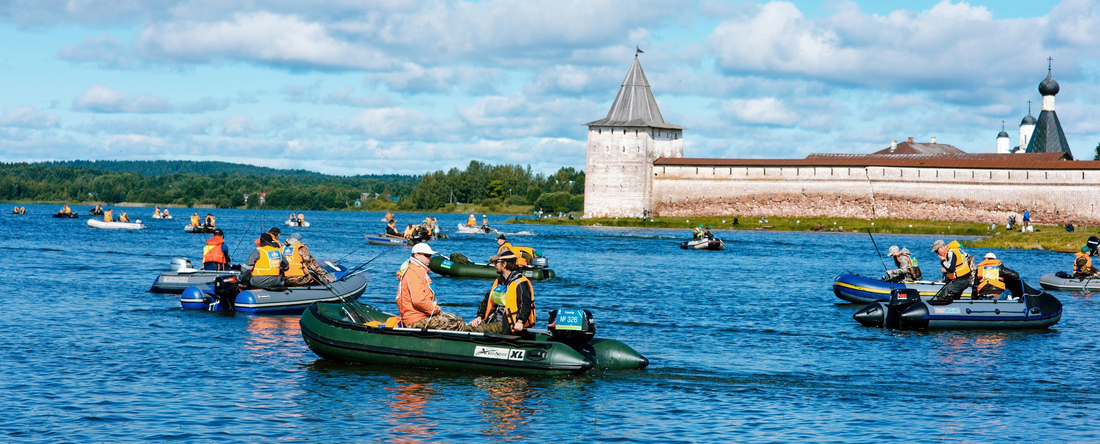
{"x":961,"y":267}
{"x":294,"y":257}
{"x":212,"y":252}
{"x":1088,"y":262}
{"x":523,"y":255}
{"x":989,"y":273}
{"x":107,"y":215}
{"x":124,"y":218}
{"x":194,"y":220}
{"x":511,"y":301}
{"x":268,"y":263}
{"x":210,"y":220}
{"x":504,"y":246}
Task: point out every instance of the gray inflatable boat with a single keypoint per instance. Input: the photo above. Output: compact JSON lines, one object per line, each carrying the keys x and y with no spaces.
{"x":1062,"y":281}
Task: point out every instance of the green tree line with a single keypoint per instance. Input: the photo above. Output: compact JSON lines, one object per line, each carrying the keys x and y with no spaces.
{"x":62,"y":183}
{"x":490,"y":185}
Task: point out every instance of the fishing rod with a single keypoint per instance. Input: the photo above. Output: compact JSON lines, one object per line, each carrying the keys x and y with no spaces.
{"x":259,"y":218}
{"x":347,"y":304}
{"x":364,"y":264}
{"x":352,"y":251}
{"x":876,"y":251}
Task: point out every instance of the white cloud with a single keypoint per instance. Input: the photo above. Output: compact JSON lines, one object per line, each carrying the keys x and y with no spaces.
{"x":100,"y":98}
{"x":27,"y":117}
{"x":765,"y":111}
{"x":238,"y":126}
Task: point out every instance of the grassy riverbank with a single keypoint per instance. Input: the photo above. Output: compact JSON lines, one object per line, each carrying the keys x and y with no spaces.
{"x":1052,"y":238}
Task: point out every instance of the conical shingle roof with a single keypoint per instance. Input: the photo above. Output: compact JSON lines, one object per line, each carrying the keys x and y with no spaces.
{"x":634,"y":105}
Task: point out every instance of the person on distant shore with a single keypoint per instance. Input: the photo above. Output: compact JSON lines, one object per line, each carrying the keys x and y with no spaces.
{"x":195,"y":220}
{"x":215,"y":254}
{"x":301,"y":264}
{"x":391,"y":228}
{"x":1082,"y":264}
{"x":955,"y":268}
{"x":509,"y":305}
{"x":416,"y":298}
{"x":1027,"y":220}
{"x":907,"y":266}
{"x":264,"y":268}
{"x":123,"y":217}
{"x":209,"y":222}
{"x":108,"y":216}
{"x":990,"y":279}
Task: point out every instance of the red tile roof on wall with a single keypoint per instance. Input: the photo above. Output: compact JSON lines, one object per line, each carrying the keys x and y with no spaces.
{"x":1016,"y":161}
{"x":920,"y":148}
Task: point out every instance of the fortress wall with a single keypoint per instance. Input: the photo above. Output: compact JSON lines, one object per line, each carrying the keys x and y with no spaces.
{"x":979,"y":195}
{"x":619,"y":166}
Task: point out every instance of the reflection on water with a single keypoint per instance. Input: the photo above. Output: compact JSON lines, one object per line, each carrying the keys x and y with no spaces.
{"x":409,"y":397}
{"x":507,"y":403}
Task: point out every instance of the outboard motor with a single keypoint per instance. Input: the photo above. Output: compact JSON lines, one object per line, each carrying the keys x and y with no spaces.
{"x":887,"y":315}
{"x":540,"y":262}
{"x":179,"y":263}
{"x":574,"y":328}
{"x":1093,"y":243}
{"x":226,"y":289}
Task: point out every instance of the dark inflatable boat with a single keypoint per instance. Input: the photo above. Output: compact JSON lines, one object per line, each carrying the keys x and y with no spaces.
{"x":864,"y":290}
{"x":537,"y":271}
{"x":226,"y":295}
{"x":355,"y":332}
{"x":1025,"y":308}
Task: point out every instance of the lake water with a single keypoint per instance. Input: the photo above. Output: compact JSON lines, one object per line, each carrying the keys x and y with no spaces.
{"x":747,"y":344}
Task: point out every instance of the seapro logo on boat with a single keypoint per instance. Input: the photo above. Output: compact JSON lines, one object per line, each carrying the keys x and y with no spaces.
{"x":947,"y":310}
{"x":176,"y":280}
{"x":499,"y":353}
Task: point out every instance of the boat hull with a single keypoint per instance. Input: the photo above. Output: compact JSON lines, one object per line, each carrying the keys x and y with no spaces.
{"x":203,"y":229}
{"x":175,"y":282}
{"x":294,"y":223}
{"x":1052,"y":281}
{"x":445,"y":267}
{"x":66,"y":216}
{"x":706,"y":244}
{"x":863,"y":290}
{"x":1035,"y":310}
{"x":388,"y":241}
{"x":290,"y":300}
{"x":466,"y":229}
{"x":96,"y":223}
{"x":328,"y":331}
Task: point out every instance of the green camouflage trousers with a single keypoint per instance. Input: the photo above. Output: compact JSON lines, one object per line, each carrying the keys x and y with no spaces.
{"x":441,"y":321}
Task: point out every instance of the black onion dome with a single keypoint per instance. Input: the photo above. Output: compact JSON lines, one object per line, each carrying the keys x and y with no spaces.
{"x":1029,"y":120}
{"x":1002,"y":134}
{"x":1049,"y":87}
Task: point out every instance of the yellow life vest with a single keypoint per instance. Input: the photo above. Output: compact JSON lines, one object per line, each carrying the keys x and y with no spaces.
{"x":294,"y":257}
{"x":107,"y":215}
{"x":989,"y":273}
{"x":268,"y":263}
{"x":1088,"y":262}
{"x":506,"y":296}
{"x":524,"y":255}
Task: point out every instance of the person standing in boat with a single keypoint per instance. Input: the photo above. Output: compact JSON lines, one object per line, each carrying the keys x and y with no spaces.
{"x":215,"y":254}
{"x":264,"y":268}
{"x":416,"y":298}
{"x":907,"y":266}
{"x":990,"y":279}
{"x":391,"y":228}
{"x":301,"y":264}
{"x":955,"y":267}
{"x":509,"y":305}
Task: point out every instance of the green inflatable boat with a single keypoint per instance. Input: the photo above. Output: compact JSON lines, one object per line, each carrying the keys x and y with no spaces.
{"x":345,"y":332}
{"x":447,"y":267}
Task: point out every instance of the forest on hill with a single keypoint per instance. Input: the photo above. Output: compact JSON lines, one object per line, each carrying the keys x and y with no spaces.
{"x":225,"y":185}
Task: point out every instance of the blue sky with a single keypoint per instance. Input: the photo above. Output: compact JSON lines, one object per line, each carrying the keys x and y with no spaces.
{"x":333,"y":86}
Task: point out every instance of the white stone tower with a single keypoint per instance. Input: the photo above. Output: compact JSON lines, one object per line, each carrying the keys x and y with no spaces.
{"x":1002,"y":141}
{"x":621,"y":150}
{"x":1027,"y":127}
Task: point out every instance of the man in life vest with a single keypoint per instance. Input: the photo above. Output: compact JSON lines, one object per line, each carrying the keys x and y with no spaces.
{"x":955,"y":267}
{"x":108,"y":216}
{"x":697,"y":233}
{"x":907,"y":270}
{"x":391,"y":228}
{"x":416,"y":298}
{"x":215,"y":254}
{"x":274,"y":232}
{"x":195,"y":220}
{"x":484,"y":221}
{"x":66,"y":210}
{"x":708,"y":234}
{"x":472,"y":221}
{"x":165,"y":213}
{"x":1082,"y":264}
{"x":524,"y":255}
{"x":990,"y":278}
{"x":264,"y":268}
{"x":301,"y":264}
{"x":209,"y":222}
{"x":123,"y":217}
{"x":156,"y":210}
{"x":509,"y":305}
{"x":301,"y":218}
{"x":502,"y":244}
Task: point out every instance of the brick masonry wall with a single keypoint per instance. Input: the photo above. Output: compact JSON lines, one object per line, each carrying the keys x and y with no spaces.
{"x":932,"y":194}
{"x":619,"y":165}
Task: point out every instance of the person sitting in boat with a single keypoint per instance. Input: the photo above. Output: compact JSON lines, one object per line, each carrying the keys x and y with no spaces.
{"x":391,"y":228}
{"x":156,"y":211}
{"x":1082,"y":264}
{"x":301,"y":218}
{"x":990,"y":277}
{"x":304,"y":269}
{"x":708,"y":234}
{"x":955,"y":267}
{"x":165,"y":214}
{"x":215,"y":254}
{"x":389,"y":216}
{"x":66,"y":210}
{"x":509,"y":305}
{"x":697,"y":233}
{"x":484,"y":221}
{"x":472,"y":221}
{"x":123,"y":217}
{"x":209,"y":222}
{"x":416,"y":298}
{"x":502,"y":244}
{"x":265,"y":266}
{"x":108,"y":216}
{"x":907,"y":270}
{"x":524,"y":255}
{"x":98,"y":209}
{"x":410,"y":230}
{"x":195,"y":220}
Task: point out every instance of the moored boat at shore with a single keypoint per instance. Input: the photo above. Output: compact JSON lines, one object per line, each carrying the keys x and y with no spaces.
{"x":358,"y":333}
{"x":864,"y":290}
